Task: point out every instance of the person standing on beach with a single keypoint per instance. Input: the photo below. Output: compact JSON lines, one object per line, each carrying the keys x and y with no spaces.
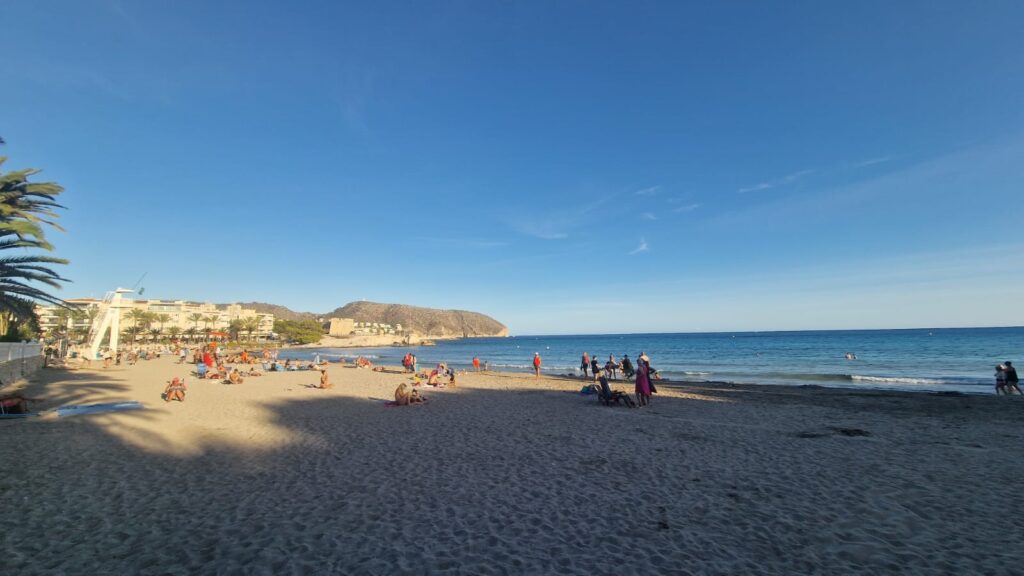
{"x":585,"y":364}
{"x":1011,"y":377}
{"x":476,"y":364}
{"x":643,"y":381}
{"x":536,"y":364}
{"x":594,"y":368}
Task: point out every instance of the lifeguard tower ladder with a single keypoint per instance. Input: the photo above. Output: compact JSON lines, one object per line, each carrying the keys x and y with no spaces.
{"x":109,"y":318}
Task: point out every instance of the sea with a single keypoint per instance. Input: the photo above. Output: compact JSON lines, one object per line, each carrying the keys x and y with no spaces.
{"x":927,"y":359}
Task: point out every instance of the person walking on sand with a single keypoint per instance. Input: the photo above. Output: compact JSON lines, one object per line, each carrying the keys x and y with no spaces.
{"x":1000,"y":379}
{"x":585,"y":364}
{"x":627,"y":367}
{"x":536,"y":364}
{"x":1011,"y":377}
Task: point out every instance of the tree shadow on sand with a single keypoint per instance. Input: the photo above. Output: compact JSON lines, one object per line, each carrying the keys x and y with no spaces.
{"x":477,"y":481}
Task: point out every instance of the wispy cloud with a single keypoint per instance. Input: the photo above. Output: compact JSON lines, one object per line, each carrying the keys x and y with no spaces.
{"x":686,"y":208}
{"x":787,"y":179}
{"x":872,"y":161}
{"x":648,"y":216}
{"x":648,"y":191}
{"x":545,"y":230}
{"x":464,"y":242}
{"x":641,"y":248}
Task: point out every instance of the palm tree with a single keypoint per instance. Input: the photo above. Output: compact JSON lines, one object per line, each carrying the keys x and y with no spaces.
{"x":137,"y":317}
{"x":163,"y":319}
{"x":191,"y":333}
{"x":174,"y":332}
{"x":196,"y":319}
{"x":25,"y":208}
{"x":250,"y":325}
{"x":155,"y":333}
{"x":207,"y":320}
{"x":62,"y":316}
{"x":235,"y":327}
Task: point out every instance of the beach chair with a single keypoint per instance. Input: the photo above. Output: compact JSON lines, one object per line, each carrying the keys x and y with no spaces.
{"x":610,"y":397}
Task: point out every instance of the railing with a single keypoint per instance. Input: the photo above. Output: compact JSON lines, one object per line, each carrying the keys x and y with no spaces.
{"x":18,"y":350}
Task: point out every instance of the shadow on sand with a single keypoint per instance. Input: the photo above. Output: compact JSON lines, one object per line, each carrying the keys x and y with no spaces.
{"x":498,"y":481}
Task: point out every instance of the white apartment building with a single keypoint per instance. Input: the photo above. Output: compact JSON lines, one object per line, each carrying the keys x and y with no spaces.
{"x":177,"y":314}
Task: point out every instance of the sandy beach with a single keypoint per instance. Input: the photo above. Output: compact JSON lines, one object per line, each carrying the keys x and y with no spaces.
{"x":505,"y":474}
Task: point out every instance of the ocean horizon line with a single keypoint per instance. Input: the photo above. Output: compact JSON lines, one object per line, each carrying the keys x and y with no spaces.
{"x":716,"y":332}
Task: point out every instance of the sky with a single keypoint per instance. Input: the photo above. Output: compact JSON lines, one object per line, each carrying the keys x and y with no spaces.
{"x":565,"y":167}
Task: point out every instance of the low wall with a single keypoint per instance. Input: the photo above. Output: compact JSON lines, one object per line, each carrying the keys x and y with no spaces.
{"x":19,"y":360}
{"x":14,"y":370}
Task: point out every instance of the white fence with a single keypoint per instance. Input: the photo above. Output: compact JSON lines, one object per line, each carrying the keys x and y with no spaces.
{"x":18,"y":350}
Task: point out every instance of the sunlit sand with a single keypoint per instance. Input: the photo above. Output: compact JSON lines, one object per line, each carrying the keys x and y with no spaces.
{"x":506,"y":474}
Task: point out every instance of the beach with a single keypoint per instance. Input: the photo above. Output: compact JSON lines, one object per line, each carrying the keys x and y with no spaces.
{"x":506,"y":474}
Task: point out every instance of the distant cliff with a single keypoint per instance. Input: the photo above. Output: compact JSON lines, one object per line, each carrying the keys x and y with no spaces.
{"x":278,"y":311}
{"x":423,"y":321}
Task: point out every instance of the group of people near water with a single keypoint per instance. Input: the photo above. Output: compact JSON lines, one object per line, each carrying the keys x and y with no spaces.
{"x":643,"y":374}
{"x":1006,"y":379}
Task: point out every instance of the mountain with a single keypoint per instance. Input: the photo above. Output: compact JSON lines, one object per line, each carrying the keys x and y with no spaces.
{"x":278,"y":311}
{"x":423,"y":321}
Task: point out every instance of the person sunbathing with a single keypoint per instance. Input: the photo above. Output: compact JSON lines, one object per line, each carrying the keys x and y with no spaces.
{"x":324,"y":384}
{"x":433,"y":379}
{"x":13,"y":404}
{"x":363,"y":363}
{"x":175,"y":390}
{"x":404,"y":396}
{"x":235,"y":377}
{"x":254,"y":372}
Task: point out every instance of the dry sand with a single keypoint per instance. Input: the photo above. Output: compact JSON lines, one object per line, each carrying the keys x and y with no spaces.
{"x":507,"y":475}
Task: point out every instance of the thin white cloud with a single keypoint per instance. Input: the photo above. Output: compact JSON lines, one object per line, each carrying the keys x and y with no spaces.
{"x":872,"y":161}
{"x":545,"y":230}
{"x":686,"y":208}
{"x":787,"y":179}
{"x":648,"y":216}
{"x":641,"y":248}
{"x":648,"y":191}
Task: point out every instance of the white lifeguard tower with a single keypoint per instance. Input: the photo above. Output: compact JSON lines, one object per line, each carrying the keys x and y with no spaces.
{"x":109,"y":318}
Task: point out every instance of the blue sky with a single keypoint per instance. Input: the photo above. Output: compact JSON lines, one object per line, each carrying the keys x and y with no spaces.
{"x":566,"y":167}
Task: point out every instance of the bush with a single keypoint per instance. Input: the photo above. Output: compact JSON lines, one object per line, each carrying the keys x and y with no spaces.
{"x":303,"y":331}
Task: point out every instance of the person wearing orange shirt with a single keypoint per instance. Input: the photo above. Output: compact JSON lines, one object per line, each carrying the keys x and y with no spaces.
{"x":536,"y":364}
{"x":476,"y":363}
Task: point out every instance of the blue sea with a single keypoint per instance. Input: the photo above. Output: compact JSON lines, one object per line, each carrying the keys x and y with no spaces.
{"x":934,"y":359}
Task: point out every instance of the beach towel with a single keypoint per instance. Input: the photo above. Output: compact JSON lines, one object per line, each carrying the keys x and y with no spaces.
{"x":98,"y":408}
